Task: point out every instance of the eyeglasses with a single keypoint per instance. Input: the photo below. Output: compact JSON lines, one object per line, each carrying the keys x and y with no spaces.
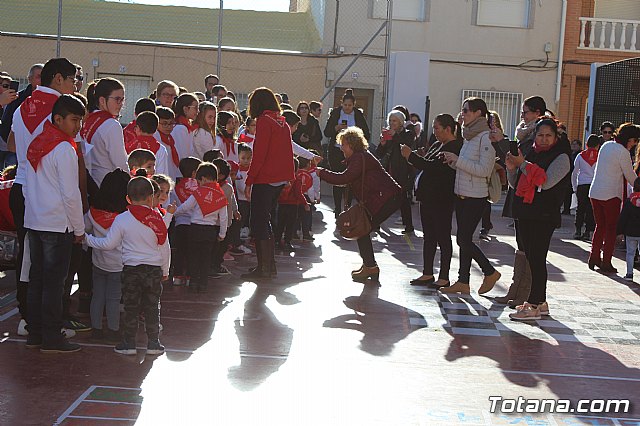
{"x":604,"y":132}
{"x":72,"y":77}
{"x":167,"y":123}
{"x":118,"y":99}
{"x":524,"y":112}
{"x":465,"y":110}
{"x":168,"y":95}
{"x":303,"y":107}
{"x":6,"y":86}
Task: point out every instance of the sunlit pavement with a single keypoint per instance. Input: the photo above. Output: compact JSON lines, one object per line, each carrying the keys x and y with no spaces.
{"x":314,"y":348}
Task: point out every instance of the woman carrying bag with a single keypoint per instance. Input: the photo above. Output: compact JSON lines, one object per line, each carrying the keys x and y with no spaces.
{"x":379,"y":193}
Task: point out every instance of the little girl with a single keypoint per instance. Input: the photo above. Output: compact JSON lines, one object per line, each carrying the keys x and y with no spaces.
{"x":110,"y":201}
{"x":248,"y":132}
{"x":185,"y":110}
{"x":161,"y":197}
{"x":225,"y":140}
{"x":204,"y":135}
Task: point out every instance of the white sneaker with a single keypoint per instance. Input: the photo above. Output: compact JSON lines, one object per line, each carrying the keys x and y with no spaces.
{"x":245,"y":249}
{"x":177,"y":281}
{"x":22,"y":328}
{"x":244,"y":232}
{"x":68,"y":333}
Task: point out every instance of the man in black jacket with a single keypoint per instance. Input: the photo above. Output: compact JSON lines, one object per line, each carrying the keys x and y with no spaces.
{"x":7,"y":116}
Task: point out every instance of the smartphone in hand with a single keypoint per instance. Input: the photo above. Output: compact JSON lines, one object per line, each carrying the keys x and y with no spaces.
{"x":513,"y":148}
{"x":14,"y":84}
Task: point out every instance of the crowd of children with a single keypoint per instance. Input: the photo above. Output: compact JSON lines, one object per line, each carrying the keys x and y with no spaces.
{"x":163,"y":201}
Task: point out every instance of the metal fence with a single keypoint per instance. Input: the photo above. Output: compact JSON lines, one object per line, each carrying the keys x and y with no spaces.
{"x":315,"y":51}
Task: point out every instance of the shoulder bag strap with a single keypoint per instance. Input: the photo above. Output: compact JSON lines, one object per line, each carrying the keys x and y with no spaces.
{"x":363,"y":168}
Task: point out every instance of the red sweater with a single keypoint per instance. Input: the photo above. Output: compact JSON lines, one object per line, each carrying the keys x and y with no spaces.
{"x":272,"y":160}
{"x":292,"y":193}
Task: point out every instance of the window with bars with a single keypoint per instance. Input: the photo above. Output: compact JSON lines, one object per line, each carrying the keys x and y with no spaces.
{"x":506,"y":104}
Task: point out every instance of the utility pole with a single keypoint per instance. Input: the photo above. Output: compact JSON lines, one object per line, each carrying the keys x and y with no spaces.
{"x":220,"y":11}
{"x":387,"y":62}
{"x":59,"y":40}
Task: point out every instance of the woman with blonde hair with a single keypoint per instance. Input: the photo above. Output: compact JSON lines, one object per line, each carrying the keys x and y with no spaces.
{"x":379,"y":193}
{"x":166,"y":92}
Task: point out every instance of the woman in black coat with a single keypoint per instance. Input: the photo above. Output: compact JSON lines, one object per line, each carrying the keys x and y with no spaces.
{"x":308,"y":133}
{"x":434,"y":191}
{"x":340,"y":118}
{"x":388,"y":152}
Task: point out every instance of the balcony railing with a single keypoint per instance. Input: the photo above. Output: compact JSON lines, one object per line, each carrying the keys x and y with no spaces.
{"x":609,"y":34}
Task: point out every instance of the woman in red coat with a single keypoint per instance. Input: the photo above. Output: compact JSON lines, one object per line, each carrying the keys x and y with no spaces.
{"x":381,"y":195}
{"x":271,"y":168}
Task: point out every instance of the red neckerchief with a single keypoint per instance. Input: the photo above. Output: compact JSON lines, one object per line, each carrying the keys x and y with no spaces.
{"x":6,"y":184}
{"x":92,"y":123}
{"x":185,"y":187}
{"x":45,"y":142}
{"x":152,"y":219}
{"x":539,"y":149}
{"x":129,"y":133}
{"x":103,"y":217}
{"x":171,"y":143}
{"x":229,"y":144}
{"x":275,"y":116}
{"x":244,"y":168}
{"x":161,"y":210}
{"x":245,"y":138}
{"x":210,"y":198}
{"x":143,"y":142}
{"x":36,"y":108}
{"x":635,"y":199}
{"x":190,"y":127}
{"x":306,"y":181}
{"x":313,"y":169}
{"x":590,"y":156}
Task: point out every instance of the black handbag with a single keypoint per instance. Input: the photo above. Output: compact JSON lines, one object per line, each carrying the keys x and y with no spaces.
{"x":355,"y":222}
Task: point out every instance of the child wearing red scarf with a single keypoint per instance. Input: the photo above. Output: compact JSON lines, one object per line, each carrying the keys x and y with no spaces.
{"x":166,"y":123}
{"x":225,"y":140}
{"x":146,"y":257}
{"x":291,"y":197}
{"x":207,"y":207}
{"x":110,"y":201}
{"x":583,"y":169}
{"x":145,"y":128}
{"x":244,"y":205}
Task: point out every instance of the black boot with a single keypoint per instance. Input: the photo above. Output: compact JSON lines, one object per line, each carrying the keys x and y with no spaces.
{"x":261,"y":271}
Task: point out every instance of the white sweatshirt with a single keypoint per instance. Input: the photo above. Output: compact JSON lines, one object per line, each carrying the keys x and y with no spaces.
{"x":582,"y":173}
{"x":139,"y":243}
{"x":107,"y":260}
{"x":52,"y":195}
{"x":191,"y":208}
{"x":183,"y":139}
{"x":107,"y":152}
{"x":613,"y":167}
{"x":202,"y":142}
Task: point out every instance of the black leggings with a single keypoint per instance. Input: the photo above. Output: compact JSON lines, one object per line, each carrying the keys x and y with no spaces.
{"x":536,"y":237}
{"x":468,"y":214}
{"x":365,"y":246}
{"x":436,"y":225}
{"x":584,"y":212}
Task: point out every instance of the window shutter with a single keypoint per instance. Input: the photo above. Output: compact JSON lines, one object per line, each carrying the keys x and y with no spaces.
{"x":503,"y":13}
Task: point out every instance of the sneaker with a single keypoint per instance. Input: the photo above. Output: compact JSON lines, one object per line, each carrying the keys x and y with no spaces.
{"x":526,"y":312}
{"x":67,"y":333}
{"x":61,"y":348}
{"x":22,"y":328}
{"x":244,"y":249}
{"x":124,"y":348}
{"x":223,"y":271}
{"x":628,"y":277}
{"x":484,"y":234}
{"x":155,"y":348}
{"x":227,"y":256}
{"x":178,"y":280}
{"x":76,"y":325}
{"x":235,"y":251}
{"x":544,"y":309}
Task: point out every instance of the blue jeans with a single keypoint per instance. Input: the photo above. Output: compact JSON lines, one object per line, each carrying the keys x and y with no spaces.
{"x":107,"y":290}
{"x":50,"y":255}
{"x":264,"y":198}
{"x":632,"y":246}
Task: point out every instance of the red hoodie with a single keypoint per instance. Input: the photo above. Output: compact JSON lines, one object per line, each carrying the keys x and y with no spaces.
{"x":272,"y":160}
{"x":292,"y":193}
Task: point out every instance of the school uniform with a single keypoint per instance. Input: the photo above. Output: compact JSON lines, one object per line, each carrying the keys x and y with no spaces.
{"x":234,"y":226}
{"x":207,"y":207}
{"x":290,"y":198}
{"x":173,"y":158}
{"x":182,"y":134}
{"x":146,"y":258}
{"x":149,"y":142}
{"x":305,"y":217}
{"x":202,"y":142}
{"x":244,"y":206}
{"x":107,"y":272}
{"x":228,"y":147}
{"x":180,"y":236}
{"x":104,"y":133}
{"x":53,"y":215}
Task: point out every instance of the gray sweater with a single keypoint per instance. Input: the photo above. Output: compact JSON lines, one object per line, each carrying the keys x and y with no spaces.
{"x":556,"y":171}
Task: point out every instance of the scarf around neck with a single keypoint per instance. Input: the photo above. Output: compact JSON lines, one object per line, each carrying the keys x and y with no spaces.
{"x":524,"y":130}
{"x":474,"y":128}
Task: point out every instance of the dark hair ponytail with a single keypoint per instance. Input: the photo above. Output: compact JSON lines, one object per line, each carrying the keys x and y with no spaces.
{"x":536,"y":103}
{"x":348,"y":94}
{"x":447,"y":121}
{"x":101,"y":88}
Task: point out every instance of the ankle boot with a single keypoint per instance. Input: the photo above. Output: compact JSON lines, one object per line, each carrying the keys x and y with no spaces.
{"x":357,"y":271}
{"x":523,"y":289}
{"x":518,"y":270}
{"x":488,"y":282}
{"x":372,"y":272}
{"x":256,"y":271}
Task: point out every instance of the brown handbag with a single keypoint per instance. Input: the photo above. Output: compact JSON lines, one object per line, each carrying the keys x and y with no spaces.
{"x":355,"y":222}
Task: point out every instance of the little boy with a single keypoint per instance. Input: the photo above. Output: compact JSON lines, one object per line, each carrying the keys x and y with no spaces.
{"x":146,"y":257}
{"x":207,"y":207}
{"x":211,"y":155}
{"x":166,"y":123}
{"x":142,"y":105}
{"x":146,"y":126}
{"x":304,"y":214}
{"x":142,"y":159}
{"x":54,"y":220}
{"x":244,"y":207}
{"x":629,"y":226}
{"x":290,"y":198}
{"x":161,"y":189}
{"x":180,"y":236}
{"x":233,"y":233}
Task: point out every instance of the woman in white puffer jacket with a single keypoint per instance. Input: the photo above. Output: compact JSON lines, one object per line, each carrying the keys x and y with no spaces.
{"x":473,"y":168}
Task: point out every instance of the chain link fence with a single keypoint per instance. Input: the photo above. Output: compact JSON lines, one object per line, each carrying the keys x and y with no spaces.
{"x":307,"y":53}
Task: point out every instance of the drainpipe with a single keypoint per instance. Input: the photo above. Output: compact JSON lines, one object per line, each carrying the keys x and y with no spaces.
{"x":563,"y":27}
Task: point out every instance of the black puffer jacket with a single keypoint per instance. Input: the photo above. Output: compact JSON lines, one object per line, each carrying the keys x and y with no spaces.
{"x":336,"y":157}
